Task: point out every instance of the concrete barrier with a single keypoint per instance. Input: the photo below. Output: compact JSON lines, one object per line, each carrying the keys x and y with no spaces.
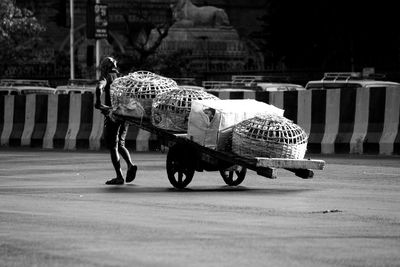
{"x":363,"y":121}
{"x":86,"y":121}
{"x":18,"y":122}
{"x":318,"y":117}
{"x":29,"y":124}
{"x":41,"y":114}
{"x":331,"y":121}
{"x":97,"y":131}
{"x":8,"y":117}
{"x":51,"y":126}
{"x":303,"y":110}
{"x":391,"y":127}
{"x":376,"y":119}
{"x":347,"y":109}
{"x":74,"y":121}
{"x":360,"y":121}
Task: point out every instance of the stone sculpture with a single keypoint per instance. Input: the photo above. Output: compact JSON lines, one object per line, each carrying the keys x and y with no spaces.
{"x":189,"y":15}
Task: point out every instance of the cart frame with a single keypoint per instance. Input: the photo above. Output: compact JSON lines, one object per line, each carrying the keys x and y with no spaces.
{"x":186,"y":156}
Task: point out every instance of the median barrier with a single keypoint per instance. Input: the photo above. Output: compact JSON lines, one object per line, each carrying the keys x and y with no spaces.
{"x":362,"y":121}
{"x":388,"y":143}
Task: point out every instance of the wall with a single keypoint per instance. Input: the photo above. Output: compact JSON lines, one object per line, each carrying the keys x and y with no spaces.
{"x":362,"y":121}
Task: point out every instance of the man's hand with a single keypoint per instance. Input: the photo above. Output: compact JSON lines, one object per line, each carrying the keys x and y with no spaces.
{"x":102,"y":106}
{"x":105,"y":110}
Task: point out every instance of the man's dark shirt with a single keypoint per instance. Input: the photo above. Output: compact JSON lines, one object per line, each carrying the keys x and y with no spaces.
{"x":104,"y":86}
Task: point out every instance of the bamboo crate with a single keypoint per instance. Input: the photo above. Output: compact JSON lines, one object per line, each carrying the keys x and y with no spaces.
{"x":141,"y":88}
{"x":171,"y":109}
{"x":269,"y":136}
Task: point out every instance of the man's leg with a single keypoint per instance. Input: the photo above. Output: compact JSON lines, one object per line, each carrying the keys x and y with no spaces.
{"x":115,"y":160}
{"x":132,"y":168}
{"x":111,"y":137}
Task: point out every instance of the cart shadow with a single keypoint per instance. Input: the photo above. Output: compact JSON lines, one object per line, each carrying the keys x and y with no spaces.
{"x":131,"y":188}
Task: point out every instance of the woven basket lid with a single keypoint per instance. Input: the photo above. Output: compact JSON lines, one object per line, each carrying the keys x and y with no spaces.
{"x":149,"y":85}
{"x":200,"y":88}
{"x":139,"y":85}
{"x":143,"y":74}
{"x":272,"y":129}
{"x":170,"y":110}
{"x":179,"y":100}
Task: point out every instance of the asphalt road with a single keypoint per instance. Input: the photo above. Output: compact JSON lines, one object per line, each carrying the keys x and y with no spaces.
{"x":56,"y":211}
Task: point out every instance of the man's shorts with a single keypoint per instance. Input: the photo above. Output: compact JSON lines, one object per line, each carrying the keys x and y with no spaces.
{"x":115,"y":133}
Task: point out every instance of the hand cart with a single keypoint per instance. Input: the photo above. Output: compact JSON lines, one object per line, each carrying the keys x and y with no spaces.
{"x":185,"y":157}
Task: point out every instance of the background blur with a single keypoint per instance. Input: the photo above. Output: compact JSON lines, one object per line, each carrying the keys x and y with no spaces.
{"x":295,"y":40}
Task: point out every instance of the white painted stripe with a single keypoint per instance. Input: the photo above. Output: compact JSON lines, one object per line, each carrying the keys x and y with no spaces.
{"x":360,"y":121}
{"x":8,"y":119}
{"x":74,"y":121}
{"x":331,"y":121}
{"x":97,"y":130}
{"x":51,"y":127}
{"x":249,"y":95}
{"x":304,"y":110}
{"x":142,"y":140}
{"x":391,"y":123}
{"x":30,"y":109}
{"x":276,"y":99}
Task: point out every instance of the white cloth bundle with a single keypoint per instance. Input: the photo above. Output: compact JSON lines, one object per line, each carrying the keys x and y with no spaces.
{"x":211,"y":121}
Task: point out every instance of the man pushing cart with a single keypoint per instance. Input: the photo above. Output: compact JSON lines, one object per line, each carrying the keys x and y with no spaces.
{"x":240,"y":134}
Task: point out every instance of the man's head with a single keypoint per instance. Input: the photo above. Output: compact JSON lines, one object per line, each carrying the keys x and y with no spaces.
{"x":108,"y":65}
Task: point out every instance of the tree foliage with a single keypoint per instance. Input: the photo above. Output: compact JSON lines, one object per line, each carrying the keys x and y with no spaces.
{"x":18,"y":29}
{"x":144,"y":34}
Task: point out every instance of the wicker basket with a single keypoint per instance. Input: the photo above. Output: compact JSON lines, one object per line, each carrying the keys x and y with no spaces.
{"x":194,"y":87}
{"x":269,"y":136}
{"x":141,"y":87}
{"x":171,"y":109}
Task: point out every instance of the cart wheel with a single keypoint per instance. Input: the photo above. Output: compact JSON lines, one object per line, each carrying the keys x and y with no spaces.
{"x":233,"y":177}
{"x":180,"y":169}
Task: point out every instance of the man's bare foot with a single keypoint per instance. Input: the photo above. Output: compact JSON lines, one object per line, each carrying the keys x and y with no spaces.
{"x":131,"y":174}
{"x":115,"y":181}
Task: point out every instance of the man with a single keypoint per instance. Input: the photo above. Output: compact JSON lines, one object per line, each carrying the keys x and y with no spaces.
{"x":114,"y":131}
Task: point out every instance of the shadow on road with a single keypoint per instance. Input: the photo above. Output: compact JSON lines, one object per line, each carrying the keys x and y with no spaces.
{"x":135,"y":189}
{"x":201,"y":189}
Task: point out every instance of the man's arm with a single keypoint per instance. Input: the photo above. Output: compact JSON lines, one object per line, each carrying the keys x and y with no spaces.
{"x":99,"y":91}
{"x":105,"y":110}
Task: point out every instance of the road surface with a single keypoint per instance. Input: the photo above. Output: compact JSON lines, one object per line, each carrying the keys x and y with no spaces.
{"x":56,"y":211}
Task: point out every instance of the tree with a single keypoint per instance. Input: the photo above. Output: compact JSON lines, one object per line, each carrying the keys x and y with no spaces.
{"x":18,"y":30}
{"x":144,"y":34}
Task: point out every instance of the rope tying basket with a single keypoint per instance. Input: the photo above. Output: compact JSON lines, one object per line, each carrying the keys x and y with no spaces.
{"x":269,"y":136}
{"x":140,"y":87}
{"x":171,"y":109}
